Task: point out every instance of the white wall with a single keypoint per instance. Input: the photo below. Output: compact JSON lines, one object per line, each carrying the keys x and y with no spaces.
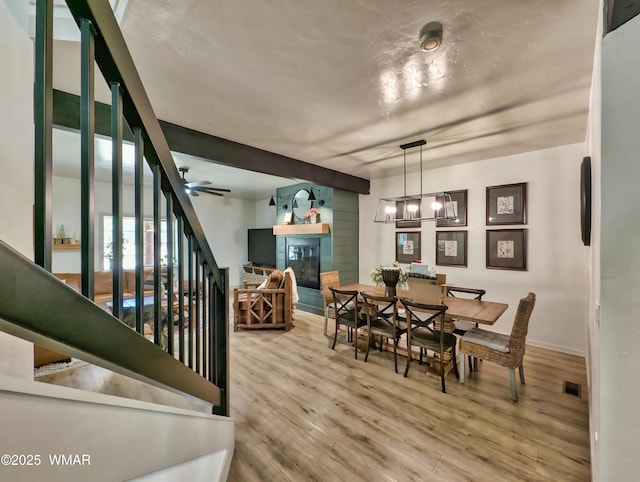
{"x":556,"y":257}
{"x":265,"y":214}
{"x":593,"y":252}
{"x":619,"y":334}
{"x":225,"y":222}
{"x":16,"y":161}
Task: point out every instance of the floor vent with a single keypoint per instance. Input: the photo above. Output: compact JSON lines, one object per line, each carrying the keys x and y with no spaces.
{"x":572,"y":389}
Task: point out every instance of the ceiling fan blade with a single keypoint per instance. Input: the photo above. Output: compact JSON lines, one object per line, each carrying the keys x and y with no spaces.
{"x":206,"y":191}
{"x":196,"y":184}
{"x":192,"y":192}
{"x":212,"y":189}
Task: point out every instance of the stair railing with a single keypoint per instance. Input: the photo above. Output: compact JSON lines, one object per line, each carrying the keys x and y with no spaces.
{"x":202,"y":319}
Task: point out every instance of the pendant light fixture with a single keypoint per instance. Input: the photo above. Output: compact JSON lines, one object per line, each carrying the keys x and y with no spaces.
{"x":415,"y":207}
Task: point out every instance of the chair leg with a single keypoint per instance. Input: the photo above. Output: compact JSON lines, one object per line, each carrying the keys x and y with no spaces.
{"x":395,"y":354}
{"x":369,"y":338}
{"x":512,"y":384}
{"x":521,"y":370}
{"x":442,"y":370}
{"x":355,"y":341}
{"x":470,"y":364}
{"x":463,"y":360}
{"x":335,"y":337}
{"x":406,"y":368}
{"x":326,"y":318}
{"x":455,"y":364}
{"x":421,"y":352}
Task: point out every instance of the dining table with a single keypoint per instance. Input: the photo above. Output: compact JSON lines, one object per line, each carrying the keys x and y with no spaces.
{"x":475,"y":311}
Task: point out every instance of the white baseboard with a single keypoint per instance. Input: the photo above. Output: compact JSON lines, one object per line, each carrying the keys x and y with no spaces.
{"x":561,"y":349}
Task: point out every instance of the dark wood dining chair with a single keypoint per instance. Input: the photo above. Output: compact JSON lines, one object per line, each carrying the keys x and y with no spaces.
{"x":422,"y":332}
{"x":461,"y":326}
{"x":505,"y":350}
{"x":347,"y":311}
{"x":382,"y":319}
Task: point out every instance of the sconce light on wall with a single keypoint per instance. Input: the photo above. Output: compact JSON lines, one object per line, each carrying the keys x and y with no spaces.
{"x":312,"y":197}
{"x":272,"y":202}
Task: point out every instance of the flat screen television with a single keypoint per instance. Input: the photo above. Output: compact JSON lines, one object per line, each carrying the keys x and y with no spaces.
{"x":262,"y":247}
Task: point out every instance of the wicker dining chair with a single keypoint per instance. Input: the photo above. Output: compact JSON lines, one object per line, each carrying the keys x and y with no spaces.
{"x":383,"y":320}
{"x":327,"y":279}
{"x":422,"y":322}
{"x":505,"y":350}
{"x":347,"y":311}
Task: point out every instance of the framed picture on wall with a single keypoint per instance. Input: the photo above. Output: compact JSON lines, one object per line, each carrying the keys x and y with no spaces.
{"x":451,"y":248}
{"x":408,"y":246}
{"x":507,"y":204}
{"x":507,"y":249}
{"x":456,"y":209}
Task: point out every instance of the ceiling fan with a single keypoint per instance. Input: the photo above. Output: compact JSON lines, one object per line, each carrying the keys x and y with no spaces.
{"x":194,"y":188}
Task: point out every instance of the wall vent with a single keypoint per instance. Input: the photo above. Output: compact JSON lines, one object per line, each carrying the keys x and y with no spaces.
{"x":572,"y":388}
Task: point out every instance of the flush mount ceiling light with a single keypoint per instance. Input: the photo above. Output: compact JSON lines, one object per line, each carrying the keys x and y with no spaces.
{"x":414,"y":208}
{"x":430,"y":36}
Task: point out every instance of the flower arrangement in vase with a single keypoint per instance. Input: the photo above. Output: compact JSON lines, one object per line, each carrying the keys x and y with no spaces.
{"x":377,"y":276}
{"x":312,"y":215}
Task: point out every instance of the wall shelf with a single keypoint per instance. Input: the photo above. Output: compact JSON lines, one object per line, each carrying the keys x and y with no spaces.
{"x":65,"y":247}
{"x":317,"y":228}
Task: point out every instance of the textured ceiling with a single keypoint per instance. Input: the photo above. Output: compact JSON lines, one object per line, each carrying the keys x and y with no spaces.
{"x":342,"y":84}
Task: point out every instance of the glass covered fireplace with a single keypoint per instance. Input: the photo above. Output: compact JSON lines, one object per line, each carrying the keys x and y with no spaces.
{"x":303,"y":256}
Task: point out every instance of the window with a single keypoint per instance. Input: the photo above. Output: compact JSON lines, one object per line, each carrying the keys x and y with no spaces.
{"x":129,"y":240}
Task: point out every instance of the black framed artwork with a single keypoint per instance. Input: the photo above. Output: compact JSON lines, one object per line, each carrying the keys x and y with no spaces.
{"x":585,"y":201}
{"x":507,"y":204}
{"x":408,"y":246}
{"x":451,"y":248}
{"x":507,"y":249}
{"x":457,"y":208}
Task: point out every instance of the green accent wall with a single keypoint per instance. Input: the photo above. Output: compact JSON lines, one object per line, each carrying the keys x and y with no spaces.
{"x":338,"y":250}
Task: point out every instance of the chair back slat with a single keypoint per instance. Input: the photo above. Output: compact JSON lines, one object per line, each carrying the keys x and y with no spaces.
{"x":477,"y":292}
{"x":412,"y":309}
{"x":385,"y":307}
{"x":345,"y":301}
{"x":327,"y":279}
{"x":520,"y":326}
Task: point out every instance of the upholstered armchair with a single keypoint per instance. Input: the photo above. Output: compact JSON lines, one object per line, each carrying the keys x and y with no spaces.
{"x":268,"y":306}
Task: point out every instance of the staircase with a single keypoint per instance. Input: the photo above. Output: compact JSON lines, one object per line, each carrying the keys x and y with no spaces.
{"x":96,"y":436}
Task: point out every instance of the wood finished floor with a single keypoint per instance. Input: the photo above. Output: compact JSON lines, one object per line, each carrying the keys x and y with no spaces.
{"x":306,"y":412}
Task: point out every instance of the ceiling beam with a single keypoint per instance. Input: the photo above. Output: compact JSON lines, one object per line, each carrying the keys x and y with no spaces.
{"x":66,"y":114}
